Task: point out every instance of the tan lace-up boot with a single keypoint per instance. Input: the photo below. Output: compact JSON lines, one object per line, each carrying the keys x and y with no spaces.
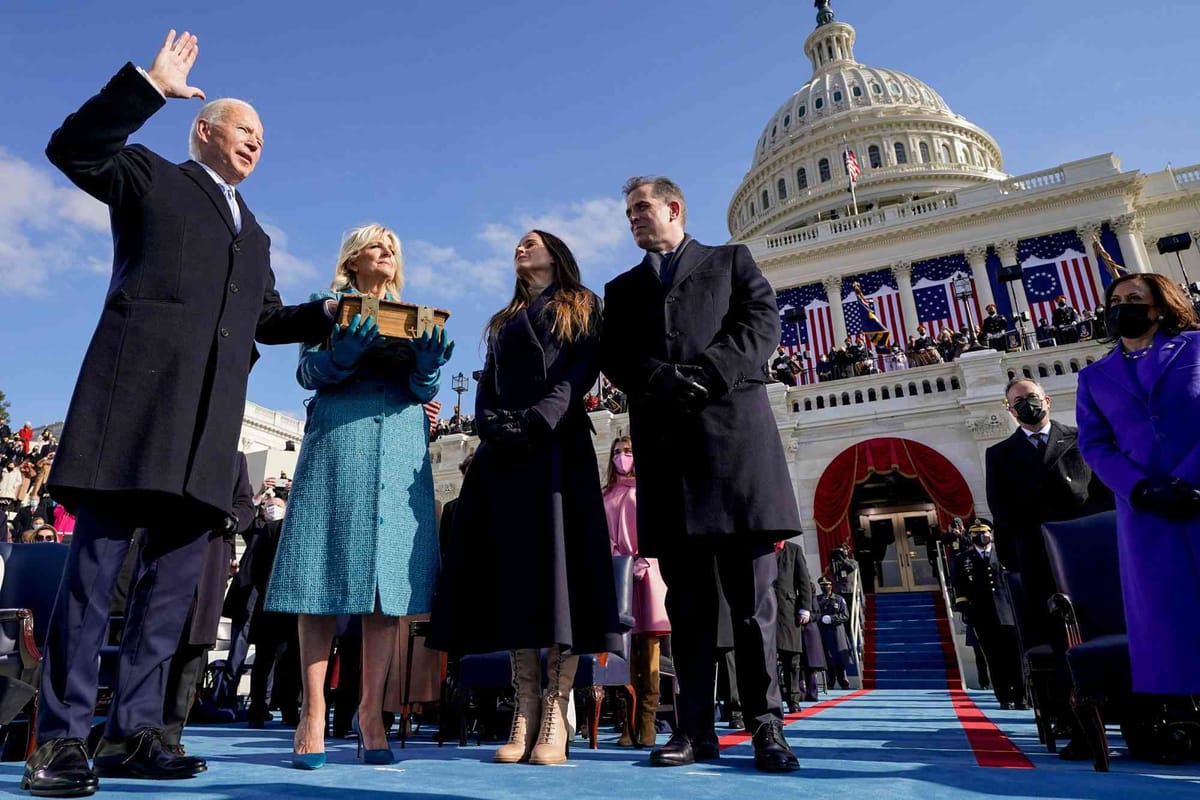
{"x":554,"y":738}
{"x":527,"y":708}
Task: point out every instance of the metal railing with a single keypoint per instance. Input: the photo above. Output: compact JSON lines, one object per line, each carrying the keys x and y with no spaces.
{"x":858,"y":620}
{"x":943,"y":583}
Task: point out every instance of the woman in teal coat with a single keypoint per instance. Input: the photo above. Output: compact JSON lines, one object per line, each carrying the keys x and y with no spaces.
{"x":360,"y":536}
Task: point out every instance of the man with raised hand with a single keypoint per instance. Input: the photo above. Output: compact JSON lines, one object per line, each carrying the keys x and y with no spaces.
{"x":152,"y":430}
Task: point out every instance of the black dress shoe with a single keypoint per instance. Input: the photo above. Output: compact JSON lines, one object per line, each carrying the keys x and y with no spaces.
{"x":679,"y":751}
{"x":1020,"y":706}
{"x":59,"y":768}
{"x":771,"y":750}
{"x":1006,"y":706}
{"x":1075,"y":750}
{"x":736,"y":722}
{"x":145,"y":756}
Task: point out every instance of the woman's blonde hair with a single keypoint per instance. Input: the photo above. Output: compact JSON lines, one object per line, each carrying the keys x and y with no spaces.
{"x":354,"y":243}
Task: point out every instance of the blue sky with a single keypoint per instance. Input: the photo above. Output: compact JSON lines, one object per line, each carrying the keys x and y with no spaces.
{"x":460,"y":125}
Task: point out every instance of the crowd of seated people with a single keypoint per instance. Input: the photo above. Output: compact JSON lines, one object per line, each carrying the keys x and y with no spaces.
{"x":27,"y":511}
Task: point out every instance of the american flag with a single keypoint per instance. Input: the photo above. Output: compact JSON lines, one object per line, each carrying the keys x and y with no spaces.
{"x":810,"y":326}
{"x":852,"y":168}
{"x":933,"y":290}
{"x":1070,"y":275}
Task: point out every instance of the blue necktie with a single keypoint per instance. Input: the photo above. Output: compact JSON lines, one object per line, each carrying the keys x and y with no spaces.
{"x":666,"y":268}
{"x":1039,"y":439}
{"x":233,"y":206}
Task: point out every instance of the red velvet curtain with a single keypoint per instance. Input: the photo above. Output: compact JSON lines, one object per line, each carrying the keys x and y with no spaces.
{"x":940,"y":479}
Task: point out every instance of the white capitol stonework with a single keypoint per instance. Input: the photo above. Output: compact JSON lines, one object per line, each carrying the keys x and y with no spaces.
{"x":936,"y":188}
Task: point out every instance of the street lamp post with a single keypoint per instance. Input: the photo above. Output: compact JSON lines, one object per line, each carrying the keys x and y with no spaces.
{"x":964,"y":292}
{"x":459,"y":383}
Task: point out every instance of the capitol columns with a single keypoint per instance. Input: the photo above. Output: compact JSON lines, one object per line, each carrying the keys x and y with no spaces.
{"x":1007,"y":251}
{"x":1128,"y":228}
{"x":833,"y":289}
{"x":977,"y":259}
{"x":903,"y":272}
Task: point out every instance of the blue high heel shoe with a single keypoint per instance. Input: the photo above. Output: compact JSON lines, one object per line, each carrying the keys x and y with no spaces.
{"x":382,"y":756}
{"x":308,"y":761}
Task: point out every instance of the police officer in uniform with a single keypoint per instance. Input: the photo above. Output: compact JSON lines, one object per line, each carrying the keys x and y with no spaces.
{"x":981,"y":596}
{"x":994,"y":328}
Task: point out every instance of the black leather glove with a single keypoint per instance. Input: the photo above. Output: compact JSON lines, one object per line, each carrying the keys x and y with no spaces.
{"x":680,"y":385}
{"x":512,"y":427}
{"x":1168,"y":497}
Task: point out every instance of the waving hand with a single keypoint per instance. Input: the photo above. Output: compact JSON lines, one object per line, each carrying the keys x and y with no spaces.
{"x":172,"y":65}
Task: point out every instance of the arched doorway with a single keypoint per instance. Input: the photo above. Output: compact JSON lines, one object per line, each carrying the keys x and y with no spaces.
{"x":897,"y":492}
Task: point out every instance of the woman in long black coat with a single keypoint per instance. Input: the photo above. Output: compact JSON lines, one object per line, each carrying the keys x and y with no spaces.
{"x":797,"y":637}
{"x":529,"y":563}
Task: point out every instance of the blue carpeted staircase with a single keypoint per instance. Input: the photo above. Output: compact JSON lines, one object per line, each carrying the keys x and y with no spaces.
{"x":904,"y":639}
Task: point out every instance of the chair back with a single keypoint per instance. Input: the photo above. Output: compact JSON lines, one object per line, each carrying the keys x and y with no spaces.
{"x":32,"y":573}
{"x":623,"y":578}
{"x":1086,"y":568}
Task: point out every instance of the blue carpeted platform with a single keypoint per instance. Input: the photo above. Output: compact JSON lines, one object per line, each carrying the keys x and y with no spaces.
{"x":894,"y":744}
{"x":906,"y":642}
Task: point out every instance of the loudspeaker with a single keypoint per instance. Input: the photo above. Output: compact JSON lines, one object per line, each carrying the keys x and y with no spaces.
{"x":1174,"y":244}
{"x":1008,"y":273}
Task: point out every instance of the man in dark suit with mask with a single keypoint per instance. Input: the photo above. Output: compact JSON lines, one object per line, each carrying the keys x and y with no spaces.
{"x":687,"y":333}
{"x":152,"y":428}
{"x":1037,"y":475}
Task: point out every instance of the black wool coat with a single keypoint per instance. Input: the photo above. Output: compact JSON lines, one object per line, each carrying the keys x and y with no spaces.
{"x":1026,"y":488}
{"x":153,"y":423}
{"x":528,"y":561}
{"x":721,"y":471}
{"x":794,"y":590}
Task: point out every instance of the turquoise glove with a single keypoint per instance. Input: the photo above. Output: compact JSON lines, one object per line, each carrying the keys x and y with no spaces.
{"x":431,"y":352}
{"x":351,"y":341}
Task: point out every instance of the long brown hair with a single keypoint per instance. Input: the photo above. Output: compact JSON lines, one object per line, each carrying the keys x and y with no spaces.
{"x":572,"y":308}
{"x":611,"y":474}
{"x":1176,"y":308}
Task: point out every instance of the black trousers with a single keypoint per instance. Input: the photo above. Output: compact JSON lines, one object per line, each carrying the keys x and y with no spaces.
{"x":183,"y":679}
{"x":999,"y":643}
{"x":694,"y":573}
{"x":161,"y":592}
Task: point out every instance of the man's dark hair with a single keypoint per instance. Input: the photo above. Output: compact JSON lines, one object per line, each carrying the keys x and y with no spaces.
{"x":664,"y":189}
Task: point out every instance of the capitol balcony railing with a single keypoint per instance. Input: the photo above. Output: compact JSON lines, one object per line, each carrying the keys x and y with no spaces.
{"x":1187,"y":175}
{"x":920,"y":387}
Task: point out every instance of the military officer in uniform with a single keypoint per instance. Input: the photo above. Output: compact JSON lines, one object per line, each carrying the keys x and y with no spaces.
{"x":1066,"y":322}
{"x":832,"y":616}
{"x":995,"y":328}
{"x":981,"y":596}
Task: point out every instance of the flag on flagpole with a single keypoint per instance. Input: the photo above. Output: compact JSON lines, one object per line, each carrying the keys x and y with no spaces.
{"x":872,"y":328}
{"x":852,"y":167}
{"x":1114,"y":269}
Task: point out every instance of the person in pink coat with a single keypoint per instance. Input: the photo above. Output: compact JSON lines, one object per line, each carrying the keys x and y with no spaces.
{"x":649,"y":591}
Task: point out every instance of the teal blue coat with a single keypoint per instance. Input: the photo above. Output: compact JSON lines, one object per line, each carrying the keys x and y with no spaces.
{"x":360,"y":533}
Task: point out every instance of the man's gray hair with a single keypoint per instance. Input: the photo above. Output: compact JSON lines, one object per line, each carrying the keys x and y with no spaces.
{"x":664,"y":189}
{"x":211,"y":112}
{"x":1022,"y":379}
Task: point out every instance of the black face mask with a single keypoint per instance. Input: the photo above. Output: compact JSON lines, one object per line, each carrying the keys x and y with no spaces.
{"x":982,"y":539}
{"x":1030,"y":410}
{"x":1131,"y":320}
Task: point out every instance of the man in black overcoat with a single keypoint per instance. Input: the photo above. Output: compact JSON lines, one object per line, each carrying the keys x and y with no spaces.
{"x":153,"y":423}
{"x":981,"y":596}
{"x":1038,"y":475}
{"x":687,"y":333}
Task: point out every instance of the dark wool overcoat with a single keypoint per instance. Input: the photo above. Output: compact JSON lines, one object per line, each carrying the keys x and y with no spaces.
{"x":528,"y":560}
{"x":153,"y":423}
{"x":721,"y":471}
{"x":794,"y":590}
{"x":1025,"y":488}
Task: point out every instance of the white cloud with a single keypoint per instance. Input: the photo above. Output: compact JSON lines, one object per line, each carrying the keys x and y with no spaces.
{"x":289,"y":268}
{"x":46,"y":228}
{"x":50,"y":229}
{"x":593,"y":229}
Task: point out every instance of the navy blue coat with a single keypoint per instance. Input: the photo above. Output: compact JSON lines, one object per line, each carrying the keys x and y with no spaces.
{"x":722,"y":471}
{"x":1128,"y":432}
{"x":154,"y":421}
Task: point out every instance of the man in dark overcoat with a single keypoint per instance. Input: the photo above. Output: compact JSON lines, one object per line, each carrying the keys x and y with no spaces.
{"x":687,"y":333}
{"x":153,"y":423}
{"x":981,"y":596}
{"x":1038,"y":475}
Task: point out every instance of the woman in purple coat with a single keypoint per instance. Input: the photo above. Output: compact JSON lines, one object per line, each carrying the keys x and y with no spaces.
{"x":1136,"y":410}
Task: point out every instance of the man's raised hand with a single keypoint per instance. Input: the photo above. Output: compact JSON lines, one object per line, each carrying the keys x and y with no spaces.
{"x":171,"y":66}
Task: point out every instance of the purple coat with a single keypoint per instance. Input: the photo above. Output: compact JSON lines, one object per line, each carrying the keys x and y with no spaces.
{"x":1129,"y":431}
